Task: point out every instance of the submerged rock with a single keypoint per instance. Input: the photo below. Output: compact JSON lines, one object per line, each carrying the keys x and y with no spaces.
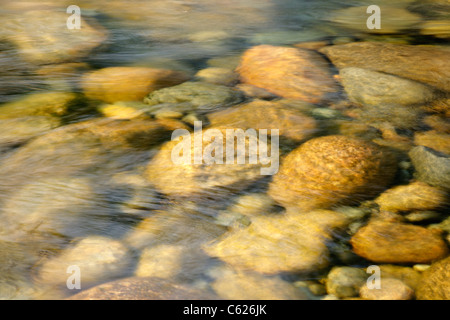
{"x":393,"y":242}
{"x":128,"y":83}
{"x":98,"y":259}
{"x":288,"y":72}
{"x":374,"y":88}
{"x":219,"y":76}
{"x":345,"y":282}
{"x":332,"y":169}
{"x":19,"y":130}
{"x":431,"y":167}
{"x":393,"y":19}
{"x":295,"y":242}
{"x":196,"y":96}
{"x":435,"y":283}
{"x":391,"y":289}
{"x":42,"y":36}
{"x":426,"y":64}
{"x":143,"y":289}
{"x":414,"y":196}
{"x":437,"y":141}
{"x":238,"y":285}
{"x":176,"y":170}
{"x":292,"y":124}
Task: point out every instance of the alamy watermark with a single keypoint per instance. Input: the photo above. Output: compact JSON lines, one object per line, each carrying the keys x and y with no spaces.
{"x":74,"y":21}
{"x":241,"y":147}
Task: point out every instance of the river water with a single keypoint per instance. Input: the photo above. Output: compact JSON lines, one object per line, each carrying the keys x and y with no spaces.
{"x":63,"y":181}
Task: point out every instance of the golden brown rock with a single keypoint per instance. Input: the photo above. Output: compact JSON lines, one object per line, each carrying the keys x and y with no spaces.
{"x":414,"y":196}
{"x":329,"y":170}
{"x":435,"y":284}
{"x":288,"y":72}
{"x":393,"y":242}
{"x":426,"y":64}
{"x":128,"y":83}
{"x":291,"y":123}
{"x":437,"y":141}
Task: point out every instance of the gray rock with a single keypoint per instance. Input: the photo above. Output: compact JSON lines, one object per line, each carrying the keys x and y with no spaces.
{"x":374,"y":88}
{"x":143,"y":289}
{"x":431,"y":167}
{"x":345,"y":282}
{"x":194,"y":96}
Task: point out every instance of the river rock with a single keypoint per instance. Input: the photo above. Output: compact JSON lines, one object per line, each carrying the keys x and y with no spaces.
{"x":239,"y":285}
{"x":98,"y":258}
{"x":219,"y":76}
{"x":188,"y":178}
{"x":393,"y":242}
{"x":295,"y":242}
{"x":331,"y":169}
{"x":431,"y":166}
{"x":291,"y":123}
{"x":194,"y":96}
{"x":50,"y":104}
{"x":19,"y":130}
{"x":435,"y":284}
{"x":128,"y":83}
{"x":287,"y":72}
{"x":143,"y":289}
{"x":163,"y":261}
{"x":374,"y":88}
{"x":426,"y":64}
{"x":437,"y":141}
{"x":345,"y":282}
{"x":391,"y":289}
{"x":42,"y":36}
{"x":393,"y":19}
{"x":414,"y":196}
{"x":407,"y":275}
{"x":437,"y":28}
{"x":440,"y":124}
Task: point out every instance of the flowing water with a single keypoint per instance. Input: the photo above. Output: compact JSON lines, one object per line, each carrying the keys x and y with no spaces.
{"x":63,"y":180}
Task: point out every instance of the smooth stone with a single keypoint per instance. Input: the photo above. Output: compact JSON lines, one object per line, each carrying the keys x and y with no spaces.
{"x":435,"y":283}
{"x":99,"y":259}
{"x":190,"y":179}
{"x":293,"y":125}
{"x":426,"y":64}
{"x":374,"y":88}
{"x":391,"y":289}
{"x":255,"y":92}
{"x":431,"y":167}
{"x":231,"y":284}
{"x":19,"y":130}
{"x":440,"y":124}
{"x":414,"y":196}
{"x":329,"y":170}
{"x":253,"y":204}
{"x":219,"y":76}
{"x":161,"y":261}
{"x":143,"y":289}
{"x":436,"y":141}
{"x":128,"y":83}
{"x":345,"y":282}
{"x":295,"y":242}
{"x":437,"y":28}
{"x":421,"y":216}
{"x":393,"y":19}
{"x":291,"y":73}
{"x":393,"y":242}
{"x":42,"y":36}
{"x":50,"y":104}
{"x":409,"y":276}
{"x":196,"y":96}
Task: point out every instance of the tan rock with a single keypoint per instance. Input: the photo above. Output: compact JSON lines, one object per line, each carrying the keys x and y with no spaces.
{"x":435,"y":284}
{"x":288,"y":72}
{"x":220,"y":76}
{"x":331,"y":169}
{"x":273,"y":244}
{"x":128,"y":83}
{"x":391,"y":289}
{"x":426,"y":64}
{"x":162,"y":261}
{"x":437,"y":141}
{"x":407,"y":275}
{"x":393,"y":242}
{"x":414,"y":196}
{"x":291,"y":123}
